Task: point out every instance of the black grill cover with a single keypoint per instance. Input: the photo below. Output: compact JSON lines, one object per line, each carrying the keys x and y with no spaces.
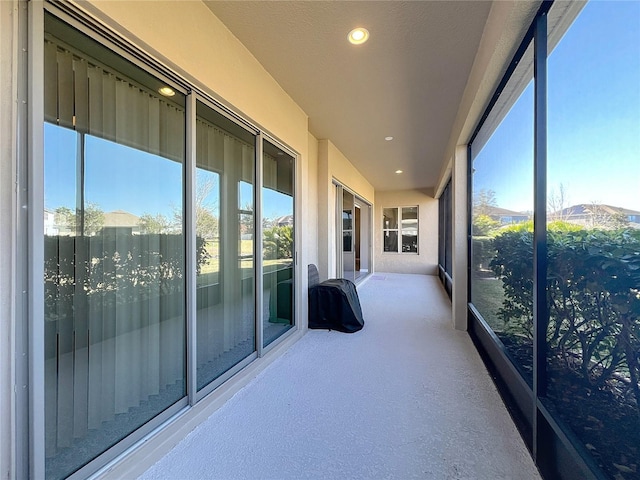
{"x":334,"y":304}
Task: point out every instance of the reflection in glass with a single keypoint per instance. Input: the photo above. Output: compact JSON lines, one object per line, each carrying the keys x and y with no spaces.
{"x":390,"y":218}
{"x":114,"y":252}
{"x":390,"y":229}
{"x":502,"y":230}
{"x":391,"y":241}
{"x":224,"y":240}
{"x":347,"y":242}
{"x":278,"y":242}
{"x":447,"y":218}
{"x":349,"y":235}
{"x":347,"y":219}
{"x":410,"y":229}
{"x":593,"y":231}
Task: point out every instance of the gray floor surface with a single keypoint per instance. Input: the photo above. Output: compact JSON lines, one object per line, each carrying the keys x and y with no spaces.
{"x":407,"y":397}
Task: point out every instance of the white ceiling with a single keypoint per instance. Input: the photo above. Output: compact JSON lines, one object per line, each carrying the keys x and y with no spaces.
{"x":407,"y":81}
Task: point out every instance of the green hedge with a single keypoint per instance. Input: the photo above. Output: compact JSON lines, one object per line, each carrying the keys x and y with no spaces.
{"x":593,"y":300}
{"x":483,"y":252}
{"x":119,"y":267}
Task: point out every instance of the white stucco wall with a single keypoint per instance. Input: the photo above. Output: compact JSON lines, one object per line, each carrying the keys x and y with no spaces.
{"x":459,"y":272}
{"x":309,"y":227}
{"x":426,"y":261}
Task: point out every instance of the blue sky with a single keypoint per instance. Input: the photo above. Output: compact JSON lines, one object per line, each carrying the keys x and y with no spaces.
{"x":593,"y":118}
{"x":118,"y":177}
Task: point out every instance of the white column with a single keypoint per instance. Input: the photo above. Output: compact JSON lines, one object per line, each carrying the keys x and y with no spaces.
{"x":459,"y":247}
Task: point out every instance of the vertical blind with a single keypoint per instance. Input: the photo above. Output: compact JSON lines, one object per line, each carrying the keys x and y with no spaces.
{"x":114,"y":303}
{"x":225,"y":316}
{"x":92,"y":99}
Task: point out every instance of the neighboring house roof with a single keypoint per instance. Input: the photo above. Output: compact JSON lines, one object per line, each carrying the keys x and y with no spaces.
{"x":120,"y":218}
{"x":283,"y":221}
{"x":503,"y":212}
{"x":588,"y":209}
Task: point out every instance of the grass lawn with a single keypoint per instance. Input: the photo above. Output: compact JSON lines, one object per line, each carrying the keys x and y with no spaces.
{"x":209,"y":270}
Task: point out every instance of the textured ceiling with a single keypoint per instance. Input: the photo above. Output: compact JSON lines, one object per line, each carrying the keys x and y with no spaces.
{"x":407,"y":81}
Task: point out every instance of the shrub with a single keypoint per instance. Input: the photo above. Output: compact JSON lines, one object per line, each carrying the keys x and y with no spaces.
{"x":484,"y":225}
{"x":483,"y":252}
{"x":593,"y":299}
{"x":278,"y":242}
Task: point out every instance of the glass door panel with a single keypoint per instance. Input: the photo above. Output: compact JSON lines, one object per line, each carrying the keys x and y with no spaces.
{"x":225,"y":297}
{"x":348,"y":255}
{"x":278,"y":246}
{"x":114,"y":323}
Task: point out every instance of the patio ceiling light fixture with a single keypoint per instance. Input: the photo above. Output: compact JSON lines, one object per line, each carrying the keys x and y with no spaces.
{"x":398,"y":172}
{"x":166,"y":91}
{"x":358,"y":36}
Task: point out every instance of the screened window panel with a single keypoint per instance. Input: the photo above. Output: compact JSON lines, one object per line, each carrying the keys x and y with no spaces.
{"x":593,"y":239}
{"x":503,"y":199}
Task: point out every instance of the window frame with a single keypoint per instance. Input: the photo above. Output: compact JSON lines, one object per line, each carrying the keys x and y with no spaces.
{"x":399,"y":229}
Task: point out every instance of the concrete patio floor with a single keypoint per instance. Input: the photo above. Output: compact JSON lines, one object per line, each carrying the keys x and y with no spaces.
{"x":406,"y":397}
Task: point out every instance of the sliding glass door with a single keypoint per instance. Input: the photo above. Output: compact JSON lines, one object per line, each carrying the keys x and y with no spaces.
{"x":353,"y":234}
{"x":114,"y":319}
{"x":348,"y":236}
{"x":278,"y":241}
{"x":169,"y":248}
{"x":225,"y":293}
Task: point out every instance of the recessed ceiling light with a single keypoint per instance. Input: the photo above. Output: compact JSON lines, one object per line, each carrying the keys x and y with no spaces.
{"x":166,"y":91}
{"x":388,"y":139}
{"x":358,"y":36}
{"x":398,"y":172}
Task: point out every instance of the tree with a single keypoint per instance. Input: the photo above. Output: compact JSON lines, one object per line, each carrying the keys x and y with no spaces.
{"x":93,"y":219}
{"x":207,"y":222}
{"x":558,"y":203}
{"x":64,"y":217}
{"x":606,"y":218}
{"x":246,"y":220}
{"x":483,"y":201}
{"x":87,"y":221}
{"x":154,"y":223}
{"x":278,"y":242}
{"x":484,"y":225}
